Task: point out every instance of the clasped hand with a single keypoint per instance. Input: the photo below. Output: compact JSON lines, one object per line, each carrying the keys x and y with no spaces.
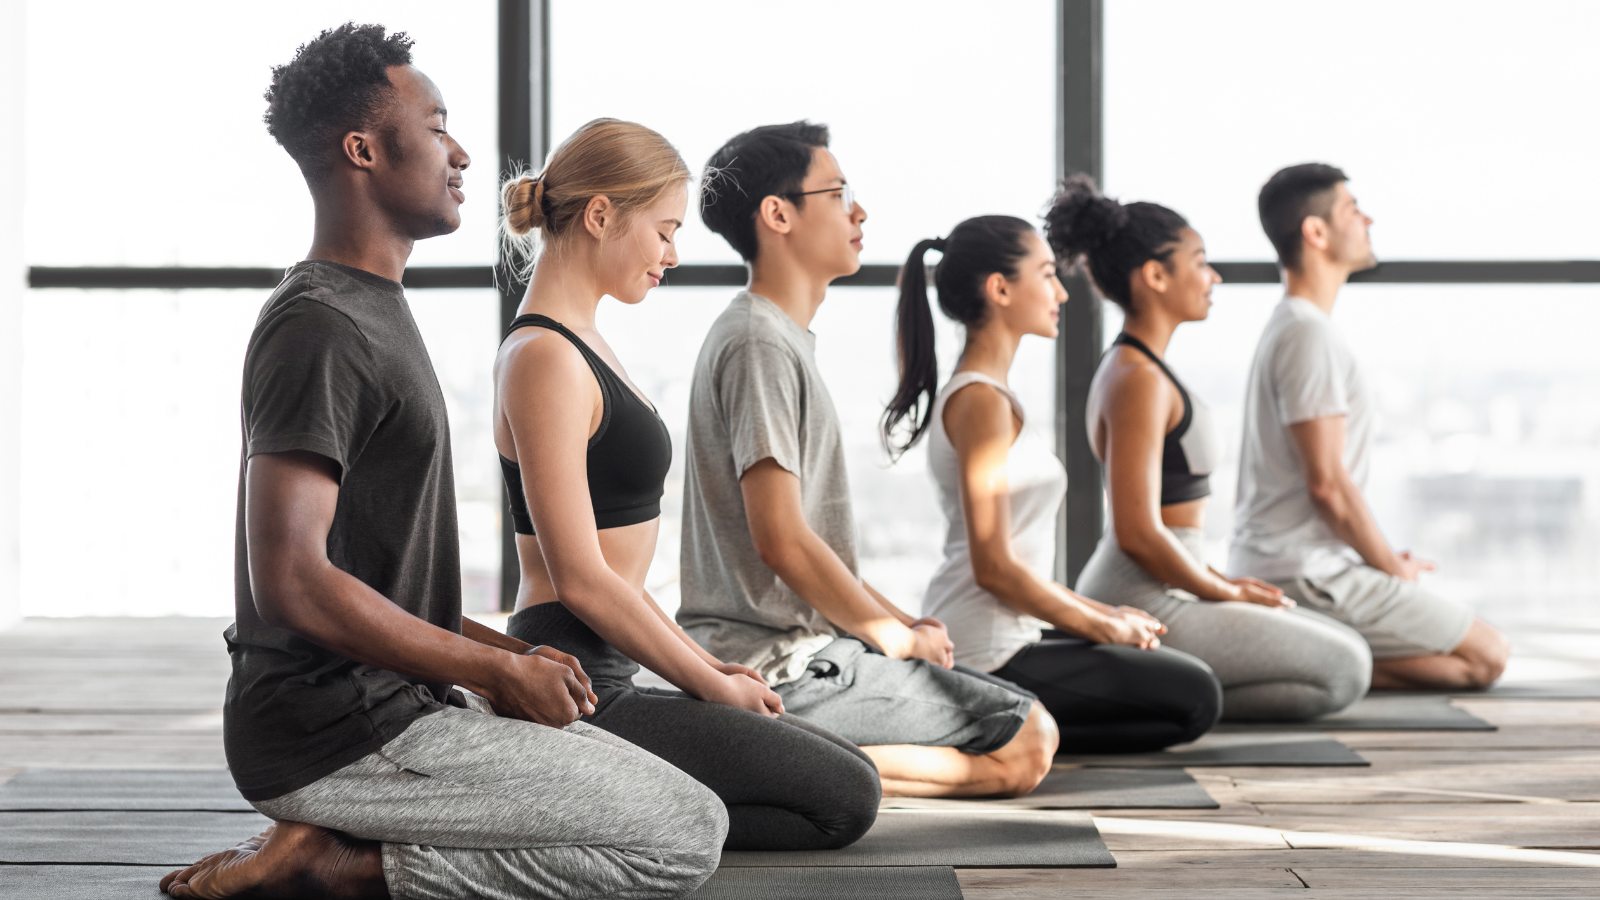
{"x":543,"y":685}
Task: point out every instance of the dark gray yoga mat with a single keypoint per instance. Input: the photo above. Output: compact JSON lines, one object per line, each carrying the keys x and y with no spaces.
{"x":1089,"y":789}
{"x":1255,"y":749}
{"x":82,"y":882}
{"x":129,"y":838}
{"x":983,"y":840}
{"x":198,"y":790}
{"x":1381,"y":712}
{"x":820,"y":883}
{"x":1565,"y":689}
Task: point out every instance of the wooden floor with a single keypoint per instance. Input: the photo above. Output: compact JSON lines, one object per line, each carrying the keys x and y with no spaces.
{"x":1512,"y":813}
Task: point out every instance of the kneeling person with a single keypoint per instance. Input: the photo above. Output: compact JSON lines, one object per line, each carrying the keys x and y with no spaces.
{"x":341,"y":722}
{"x":1301,"y":520}
{"x":769,"y":562}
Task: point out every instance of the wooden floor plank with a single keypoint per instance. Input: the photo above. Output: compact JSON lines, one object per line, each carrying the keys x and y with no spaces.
{"x":1451,"y":815}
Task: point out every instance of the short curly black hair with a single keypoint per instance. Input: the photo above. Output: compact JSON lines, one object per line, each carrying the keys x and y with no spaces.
{"x":335,"y":84}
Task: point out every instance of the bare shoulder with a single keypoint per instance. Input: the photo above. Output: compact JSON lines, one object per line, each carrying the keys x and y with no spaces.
{"x":537,"y":356}
{"x":1134,"y":378}
{"x":977,"y":412}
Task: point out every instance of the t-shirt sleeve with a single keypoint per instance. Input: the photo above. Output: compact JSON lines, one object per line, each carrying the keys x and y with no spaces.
{"x":1308,"y":374}
{"x":311,"y":384}
{"x":760,"y":387}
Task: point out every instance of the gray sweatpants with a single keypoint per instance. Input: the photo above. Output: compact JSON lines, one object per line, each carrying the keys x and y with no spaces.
{"x":471,"y":805}
{"x":1274,"y":664}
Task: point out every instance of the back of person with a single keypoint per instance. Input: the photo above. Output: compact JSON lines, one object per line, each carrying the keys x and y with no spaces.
{"x":1303,"y":369}
{"x":987,"y":632}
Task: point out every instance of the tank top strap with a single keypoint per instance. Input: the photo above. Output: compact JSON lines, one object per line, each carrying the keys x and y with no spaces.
{"x":961,"y":379}
{"x":609,"y":383}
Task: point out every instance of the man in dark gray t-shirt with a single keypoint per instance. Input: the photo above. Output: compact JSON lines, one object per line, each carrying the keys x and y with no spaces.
{"x":769,"y":558}
{"x":342,"y":721}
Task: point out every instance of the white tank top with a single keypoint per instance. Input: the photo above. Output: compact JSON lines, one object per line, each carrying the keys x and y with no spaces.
{"x":986,"y":632}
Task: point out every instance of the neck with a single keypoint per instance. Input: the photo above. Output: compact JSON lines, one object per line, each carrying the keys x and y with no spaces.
{"x":990,"y":350}
{"x":564,"y":288}
{"x":790,"y":286}
{"x":359,"y":238}
{"x":1317,"y":280}
{"x":1153,"y":331}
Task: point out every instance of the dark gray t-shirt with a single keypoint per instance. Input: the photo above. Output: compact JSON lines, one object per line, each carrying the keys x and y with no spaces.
{"x":336,"y":366}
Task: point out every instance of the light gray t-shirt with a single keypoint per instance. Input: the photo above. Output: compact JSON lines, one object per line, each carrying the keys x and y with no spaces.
{"x":757,"y":394}
{"x":1302,"y":370}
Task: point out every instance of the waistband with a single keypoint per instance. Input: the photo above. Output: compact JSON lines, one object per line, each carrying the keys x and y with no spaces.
{"x":553,"y":625}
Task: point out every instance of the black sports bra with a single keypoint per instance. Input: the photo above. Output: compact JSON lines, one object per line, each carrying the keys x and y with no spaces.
{"x":1185,"y":464}
{"x":629,"y":453}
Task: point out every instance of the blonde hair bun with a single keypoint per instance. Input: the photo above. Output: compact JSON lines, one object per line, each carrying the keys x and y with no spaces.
{"x":523,"y":200}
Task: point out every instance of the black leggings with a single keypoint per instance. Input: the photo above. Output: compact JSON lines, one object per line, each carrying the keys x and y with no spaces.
{"x":1111,"y":698}
{"x":788,"y":784}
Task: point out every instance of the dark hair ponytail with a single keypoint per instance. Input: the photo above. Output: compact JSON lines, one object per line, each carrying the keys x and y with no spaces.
{"x":974,"y":250}
{"x":1083,"y":226}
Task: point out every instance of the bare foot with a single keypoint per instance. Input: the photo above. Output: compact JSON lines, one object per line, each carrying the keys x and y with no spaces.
{"x":289,"y":861}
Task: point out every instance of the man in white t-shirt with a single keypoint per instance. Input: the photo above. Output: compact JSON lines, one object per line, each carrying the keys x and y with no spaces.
{"x":1301,"y":521}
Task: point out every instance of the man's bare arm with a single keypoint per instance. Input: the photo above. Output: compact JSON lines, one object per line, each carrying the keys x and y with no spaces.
{"x":290,"y":499}
{"x":811,"y":569}
{"x":1321,"y":445}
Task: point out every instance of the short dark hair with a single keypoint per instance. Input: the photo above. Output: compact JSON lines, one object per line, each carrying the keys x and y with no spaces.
{"x":771,"y":160}
{"x":1086,"y":228}
{"x":336,"y":84}
{"x":1288,"y":197}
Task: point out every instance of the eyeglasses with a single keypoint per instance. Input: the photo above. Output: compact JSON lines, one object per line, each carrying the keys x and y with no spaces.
{"x":847,"y":196}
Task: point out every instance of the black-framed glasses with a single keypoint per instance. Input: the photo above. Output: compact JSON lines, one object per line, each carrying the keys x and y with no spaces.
{"x":847,"y":196}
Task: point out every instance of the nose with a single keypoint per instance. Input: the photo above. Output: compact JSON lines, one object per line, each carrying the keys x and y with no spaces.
{"x":858,"y":213}
{"x":458,"y":156}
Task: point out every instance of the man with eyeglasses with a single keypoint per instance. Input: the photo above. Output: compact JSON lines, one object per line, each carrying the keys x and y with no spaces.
{"x":769,"y":576}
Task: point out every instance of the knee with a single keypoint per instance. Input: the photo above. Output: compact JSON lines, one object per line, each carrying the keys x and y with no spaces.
{"x":699,"y":828}
{"x":1205,"y":707}
{"x":854,"y":807}
{"x":1348,"y":677}
{"x":1486,"y":655}
{"x":1031,"y":753}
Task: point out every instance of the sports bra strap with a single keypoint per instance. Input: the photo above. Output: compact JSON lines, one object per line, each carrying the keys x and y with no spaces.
{"x":1127,"y":340}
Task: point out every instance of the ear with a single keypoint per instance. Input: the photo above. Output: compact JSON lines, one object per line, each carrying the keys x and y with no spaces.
{"x":360,"y":149}
{"x":597,"y":214}
{"x":1314,"y":232}
{"x":774,"y":215}
{"x":1155,"y":275}
{"x":997,"y":289}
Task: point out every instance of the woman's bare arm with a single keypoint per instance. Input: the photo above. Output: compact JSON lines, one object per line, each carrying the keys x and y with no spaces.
{"x":549,"y":397}
{"x":979,"y":421}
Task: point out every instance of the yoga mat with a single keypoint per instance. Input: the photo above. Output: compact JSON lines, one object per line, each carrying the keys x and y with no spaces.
{"x":193,"y":790}
{"x":982,"y":840}
{"x":130,"y":838}
{"x":827,"y":883}
{"x":1088,"y":789}
{"x":1255,"y":749}
{"x":82,"y":882}
{"x":1381,"y":712}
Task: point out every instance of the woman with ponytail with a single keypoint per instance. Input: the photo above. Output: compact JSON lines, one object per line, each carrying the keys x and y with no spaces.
{"x":1158,"y":446}
{"x":1100,"y":671}
{"x":585,"y":457}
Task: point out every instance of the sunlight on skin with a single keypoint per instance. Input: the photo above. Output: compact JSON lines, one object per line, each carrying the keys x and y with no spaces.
{"x":1320,"y":840}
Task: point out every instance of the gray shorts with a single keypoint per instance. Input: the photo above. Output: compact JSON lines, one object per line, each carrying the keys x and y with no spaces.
{"x":1398,"y":618}
{"x":869,"y":699}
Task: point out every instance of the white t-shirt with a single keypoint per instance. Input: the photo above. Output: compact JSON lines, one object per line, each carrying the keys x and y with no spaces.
{"x":986,"y":632}
{"x":1302,"y":370}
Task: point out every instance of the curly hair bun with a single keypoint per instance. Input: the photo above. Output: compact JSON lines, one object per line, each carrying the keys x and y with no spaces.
{"x":1081,"y":220}
{"x":524,"y":204}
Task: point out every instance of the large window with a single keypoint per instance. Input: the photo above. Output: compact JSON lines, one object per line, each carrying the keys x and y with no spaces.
{"x":145,"y":147}
{"x":936,"y":114}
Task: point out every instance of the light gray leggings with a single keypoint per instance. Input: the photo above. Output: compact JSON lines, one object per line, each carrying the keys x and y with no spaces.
{"x":471,"y":805}
{"x":1273,"y":664}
